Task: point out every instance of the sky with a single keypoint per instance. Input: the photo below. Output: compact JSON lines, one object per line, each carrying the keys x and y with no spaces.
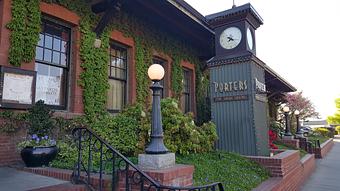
{"x":300,"y":40}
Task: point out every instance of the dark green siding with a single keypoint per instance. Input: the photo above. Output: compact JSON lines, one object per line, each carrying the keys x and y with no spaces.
{"x":241,"y":125}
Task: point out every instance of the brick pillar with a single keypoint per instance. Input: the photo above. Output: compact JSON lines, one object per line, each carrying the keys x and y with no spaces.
{"x":178,"y":175}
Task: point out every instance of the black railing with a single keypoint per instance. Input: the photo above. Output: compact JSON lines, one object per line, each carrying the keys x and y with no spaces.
{"x":101,"y":167}
{"x":309,"y":146}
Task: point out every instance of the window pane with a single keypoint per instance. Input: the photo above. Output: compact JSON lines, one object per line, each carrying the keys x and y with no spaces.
{"x":48,"y":41}
{"x":47,"y":55}
{"x":116,"y":95}
{"x":56,"y":57}
{"x":39,"y":53}
{"x":49,"y":87}
{"x":63,"y":59}
{"x":63,"y":46}
{"x":56,"y":44}
{"x":41,"y":40}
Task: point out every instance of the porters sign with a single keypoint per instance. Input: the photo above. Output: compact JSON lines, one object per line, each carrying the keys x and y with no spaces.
{"x":231,"y":86}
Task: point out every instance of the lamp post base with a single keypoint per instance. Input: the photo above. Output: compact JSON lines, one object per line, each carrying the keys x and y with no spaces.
{"x":155,"y":162}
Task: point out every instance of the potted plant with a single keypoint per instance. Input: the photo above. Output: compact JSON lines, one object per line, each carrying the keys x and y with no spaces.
{"x":39,"y":148}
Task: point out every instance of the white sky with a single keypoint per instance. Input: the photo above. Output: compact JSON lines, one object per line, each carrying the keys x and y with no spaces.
{"x":300,"y":40}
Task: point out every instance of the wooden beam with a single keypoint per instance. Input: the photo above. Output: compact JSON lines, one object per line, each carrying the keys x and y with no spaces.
{"x":112,"y":7}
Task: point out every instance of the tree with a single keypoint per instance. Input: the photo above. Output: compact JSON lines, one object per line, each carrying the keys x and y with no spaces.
{"x":335,"y":119}
{"x":296,"y":101}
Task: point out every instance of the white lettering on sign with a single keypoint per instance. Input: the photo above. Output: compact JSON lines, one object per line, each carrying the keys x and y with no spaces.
{"x":230,"y":86}
{"x":48,"y":89}
{"x":261,"y":87}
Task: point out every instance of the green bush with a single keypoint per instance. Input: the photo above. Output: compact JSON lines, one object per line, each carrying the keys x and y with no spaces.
{"x":337,"y":129}
{"x":181,"y":135}
{"x":12,"y":122}
{"x":40,"y":120}
{"x":322,"y":131}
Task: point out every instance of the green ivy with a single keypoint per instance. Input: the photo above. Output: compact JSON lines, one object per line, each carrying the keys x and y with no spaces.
{"x":25,"y":27}
{"x":142,"y":64}
{"x":94,"y":77}
{"x":176,"y":77}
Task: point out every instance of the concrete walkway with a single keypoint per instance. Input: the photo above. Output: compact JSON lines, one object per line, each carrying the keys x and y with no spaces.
{"x":14,"y":180}
{"x":327,"y":173}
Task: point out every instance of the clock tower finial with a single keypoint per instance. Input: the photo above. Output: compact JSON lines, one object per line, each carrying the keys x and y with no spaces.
{"x":233,"y":4}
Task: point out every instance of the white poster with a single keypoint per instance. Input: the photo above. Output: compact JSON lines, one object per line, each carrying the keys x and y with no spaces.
{"x":17,"y":88}
{"x":48,"y":89}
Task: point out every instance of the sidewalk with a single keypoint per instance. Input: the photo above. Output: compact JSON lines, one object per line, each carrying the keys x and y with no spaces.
{"x":327,"y":173}
{"x":14,"y":180}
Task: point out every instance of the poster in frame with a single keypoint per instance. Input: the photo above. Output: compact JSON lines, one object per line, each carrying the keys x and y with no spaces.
{"x":17,"y":88}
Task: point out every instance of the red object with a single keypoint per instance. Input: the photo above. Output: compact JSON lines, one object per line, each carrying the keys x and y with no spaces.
{"x":272,"y":137}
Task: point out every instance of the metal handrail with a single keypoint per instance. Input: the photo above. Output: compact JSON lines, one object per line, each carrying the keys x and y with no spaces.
{"x":89,"y":143}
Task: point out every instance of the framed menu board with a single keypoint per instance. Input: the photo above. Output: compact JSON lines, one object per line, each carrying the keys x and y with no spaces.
{"x":17,"y":88}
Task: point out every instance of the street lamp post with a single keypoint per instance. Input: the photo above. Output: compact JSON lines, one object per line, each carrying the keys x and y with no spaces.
{"x":156,"y":146}
{"x":298,"y":130}
{"x":287,"y":130}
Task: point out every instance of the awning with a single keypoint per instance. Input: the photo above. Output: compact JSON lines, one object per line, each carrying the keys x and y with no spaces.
{"x":174,"y":16}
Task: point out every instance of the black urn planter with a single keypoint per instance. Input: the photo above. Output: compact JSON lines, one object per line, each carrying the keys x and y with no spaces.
{"x":38,"y":156}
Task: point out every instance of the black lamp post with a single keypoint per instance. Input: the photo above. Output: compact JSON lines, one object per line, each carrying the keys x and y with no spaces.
{"x":298,"y":130}
{"x":287,"y":130}
{"x":156,"y":146}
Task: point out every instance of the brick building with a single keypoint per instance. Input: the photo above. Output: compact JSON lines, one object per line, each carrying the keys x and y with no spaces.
{"x":173,"y":33}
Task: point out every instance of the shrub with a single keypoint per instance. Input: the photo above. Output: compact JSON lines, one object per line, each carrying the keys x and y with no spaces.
{"x":180,"y":132}
{"x":322,"y":131}
{"x":12,"y":122}
{"x":40,"y":120}
{"x":337,"y":129}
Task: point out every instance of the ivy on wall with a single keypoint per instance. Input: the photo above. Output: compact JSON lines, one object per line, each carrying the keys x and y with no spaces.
{"x":94,"y":77}
{"x":25,"y":27}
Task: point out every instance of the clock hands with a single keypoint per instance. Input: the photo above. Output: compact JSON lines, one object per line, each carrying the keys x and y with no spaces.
{"x":230,"y":38}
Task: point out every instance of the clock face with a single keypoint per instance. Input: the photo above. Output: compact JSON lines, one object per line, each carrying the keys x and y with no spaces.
{"x":230,"y":38}
{"x":249,"y":39}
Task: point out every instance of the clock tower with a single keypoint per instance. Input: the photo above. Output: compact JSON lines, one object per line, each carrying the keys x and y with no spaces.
{"x":235,"y":30}
{"x":237,"y":82}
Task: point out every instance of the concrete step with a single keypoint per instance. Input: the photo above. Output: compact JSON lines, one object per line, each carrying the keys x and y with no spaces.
{"x":63,"y":187}
{"x":15,"y":180}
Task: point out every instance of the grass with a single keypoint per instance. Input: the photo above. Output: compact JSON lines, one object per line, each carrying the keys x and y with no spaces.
{"x":317,"y":137}
{"x":281,"y":145}
{"x":236,"y":173}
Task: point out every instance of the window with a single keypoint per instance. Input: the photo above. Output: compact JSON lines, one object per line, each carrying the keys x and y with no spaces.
{"x":163,"y":63}
{"x":52,"y":64}
{"x":117,"y":71}
{"x":186,"y":94}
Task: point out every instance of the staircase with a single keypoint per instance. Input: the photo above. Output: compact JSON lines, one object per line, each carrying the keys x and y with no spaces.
{"x":115,"y":171}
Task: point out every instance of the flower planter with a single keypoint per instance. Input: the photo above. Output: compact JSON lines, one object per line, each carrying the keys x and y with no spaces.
{"x":38,"y":156}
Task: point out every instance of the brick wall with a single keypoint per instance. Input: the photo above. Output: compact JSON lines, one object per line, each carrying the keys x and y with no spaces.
{"x":179,"y":175}
{"x":324,"y":149}
{"x":8,"y":152}
{"x":287,"y":169}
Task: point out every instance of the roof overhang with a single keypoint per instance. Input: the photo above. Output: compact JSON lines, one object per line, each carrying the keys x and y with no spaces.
{"x":274,"y":82}
{"x":245,"y":11}
{"x":174,"y":16}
